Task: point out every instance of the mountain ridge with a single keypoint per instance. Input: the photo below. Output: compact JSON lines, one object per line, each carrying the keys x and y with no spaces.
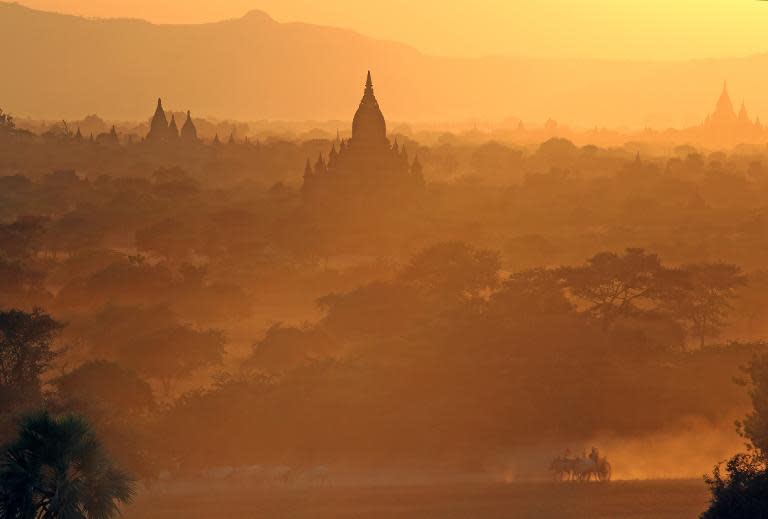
{"x":255,"y":67}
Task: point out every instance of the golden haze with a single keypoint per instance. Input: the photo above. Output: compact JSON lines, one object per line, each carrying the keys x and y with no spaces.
{"x":273,"y":285}
{"x":652,"y":29}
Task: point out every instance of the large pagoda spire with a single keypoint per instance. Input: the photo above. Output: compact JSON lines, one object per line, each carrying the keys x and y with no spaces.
{"x":368,"y":96}
{"x":368,"y":125}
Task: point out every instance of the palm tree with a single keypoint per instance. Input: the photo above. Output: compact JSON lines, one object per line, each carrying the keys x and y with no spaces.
{"x":56,"y":469}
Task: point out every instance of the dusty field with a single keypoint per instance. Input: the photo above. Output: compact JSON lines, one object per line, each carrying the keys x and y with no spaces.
{"x":616,"y":500}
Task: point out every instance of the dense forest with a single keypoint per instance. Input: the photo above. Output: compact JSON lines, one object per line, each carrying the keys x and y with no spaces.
{"x":528,"y":297}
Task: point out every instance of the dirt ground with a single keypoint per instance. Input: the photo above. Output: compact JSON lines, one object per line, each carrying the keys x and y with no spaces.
{"x":615,"y":500}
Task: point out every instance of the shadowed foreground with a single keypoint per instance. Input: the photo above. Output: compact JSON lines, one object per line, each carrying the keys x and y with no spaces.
{"x":634,"y":499}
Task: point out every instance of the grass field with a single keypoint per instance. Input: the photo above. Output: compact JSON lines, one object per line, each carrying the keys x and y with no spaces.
{"x":616,"y":500}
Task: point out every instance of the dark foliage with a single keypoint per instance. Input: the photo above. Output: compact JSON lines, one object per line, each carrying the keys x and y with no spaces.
{"x":741,"y":492}
{"x":56,"y":469}
{"x":26,"y":351}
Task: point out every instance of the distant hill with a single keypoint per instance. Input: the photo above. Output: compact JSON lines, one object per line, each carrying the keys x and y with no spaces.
{"x":59,"y":66}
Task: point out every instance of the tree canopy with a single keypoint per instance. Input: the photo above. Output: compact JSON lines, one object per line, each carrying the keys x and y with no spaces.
{"x":56,"y":469}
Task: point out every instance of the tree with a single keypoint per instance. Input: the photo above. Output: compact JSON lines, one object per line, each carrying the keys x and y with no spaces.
{"x":21,"y":283}
{"x":754,"y":427}
{"x":614,"y":286}
{"x":169,"y":238}
{"x":742,"y":492}
{"x":531,"y":315}
{"x":705,"y":300}
{"x":105,"y":387}
{"x":453,"y":270}
{"x":26,"y":351}
{"x":285,"y":347}
{"x":531,"y":292}
{"x":21,"y":275}
{"x":123,"y":283}
{"x":558,"y":151}
{"x":56,"y":469}
{"x":175,"y":183}
{"x":117,"y":403}
{"x":23,"y":238}
{"x":172,"y":353}
{"x":59,"y":131}
{"x":495,"y":159}
{"x":79,"y":229}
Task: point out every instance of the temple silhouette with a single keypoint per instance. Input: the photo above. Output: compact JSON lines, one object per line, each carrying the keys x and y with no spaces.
{"x":365,"y":164}
{"x":163,"y":132}
{"x":725,"y":127}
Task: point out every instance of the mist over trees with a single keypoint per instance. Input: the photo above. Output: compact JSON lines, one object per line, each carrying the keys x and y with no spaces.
{"x":523,"y":296}
{"x":738,"y":485}
{"x":294,"y":317}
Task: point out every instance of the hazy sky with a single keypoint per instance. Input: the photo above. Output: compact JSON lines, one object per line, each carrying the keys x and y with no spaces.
{"x":638,"y":29}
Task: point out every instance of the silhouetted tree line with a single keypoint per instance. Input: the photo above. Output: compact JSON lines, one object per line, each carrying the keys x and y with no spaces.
{"x":449,"y":342}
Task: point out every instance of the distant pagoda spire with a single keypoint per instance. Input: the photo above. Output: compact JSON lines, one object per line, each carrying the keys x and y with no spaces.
{"x":307,"y":185}
{"x":159,"y":112}
{"x":188,"y":131}
{"x":173,"y":130}
{"x":158,"y":127}
{"x":743,"y":115}
{"x":724,"y":111}
{"x":320,"y":167}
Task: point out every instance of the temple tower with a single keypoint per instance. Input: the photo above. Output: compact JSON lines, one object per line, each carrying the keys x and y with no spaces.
{"x":369,"y":130}
{"x":189,"y":131}
{"x":158,"y":127}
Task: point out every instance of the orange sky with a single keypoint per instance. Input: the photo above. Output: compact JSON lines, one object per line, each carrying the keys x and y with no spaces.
{"x":636,"y":29}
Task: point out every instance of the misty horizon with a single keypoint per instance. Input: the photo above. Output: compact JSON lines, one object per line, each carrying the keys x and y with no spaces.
{"x":424,"y":97}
